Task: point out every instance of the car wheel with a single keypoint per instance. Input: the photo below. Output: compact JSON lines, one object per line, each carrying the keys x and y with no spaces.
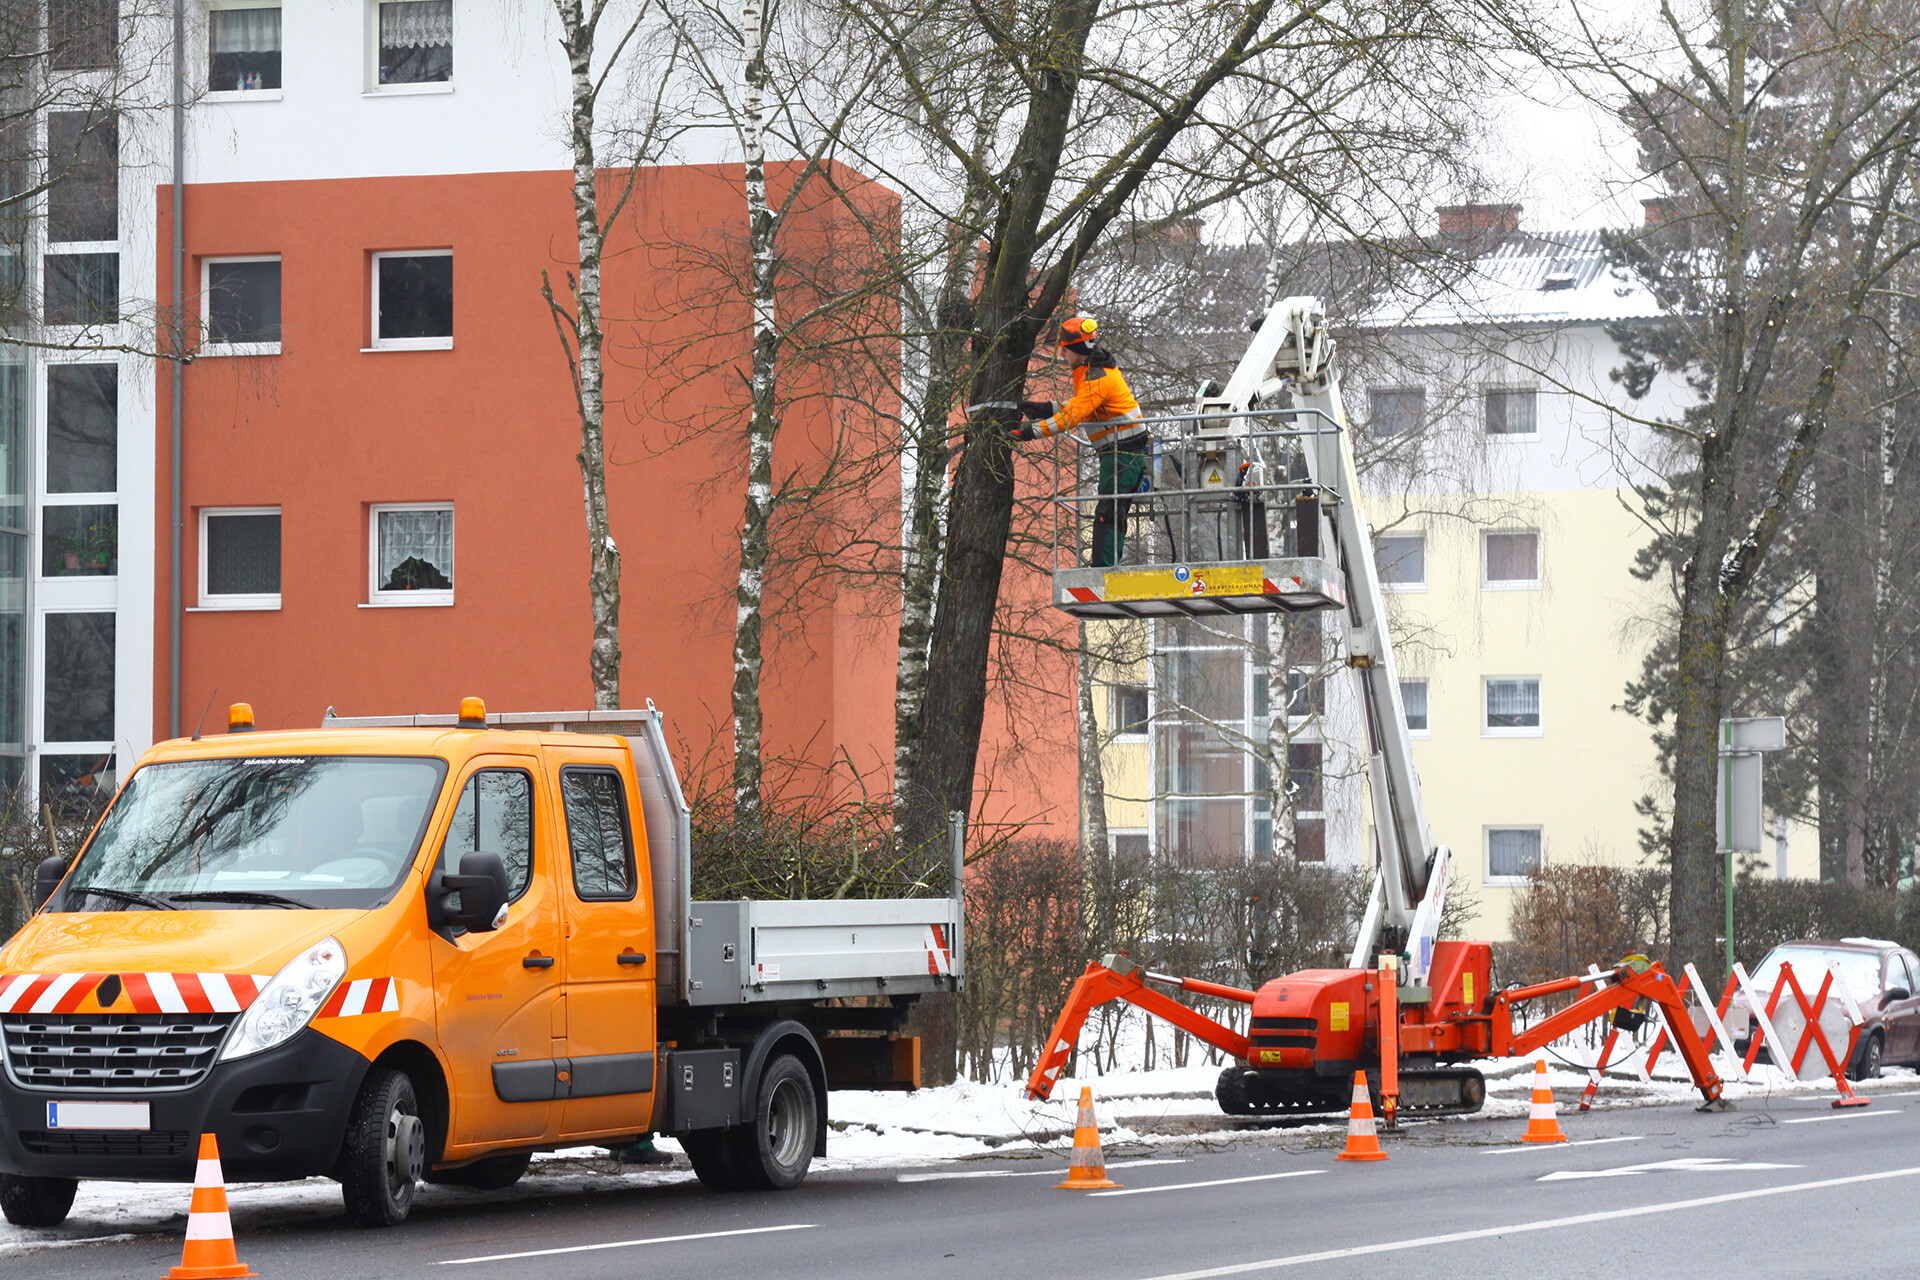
{"x":36,"y":1202}
{"x":385,"y":1151}
{"x":1866,"y":1063}
{"x":496,"y":1173}
{"x":771,"y":1152}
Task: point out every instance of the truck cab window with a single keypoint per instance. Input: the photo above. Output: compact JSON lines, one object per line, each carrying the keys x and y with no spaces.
{"x":495,"y":815}
{"x":597,"y":835}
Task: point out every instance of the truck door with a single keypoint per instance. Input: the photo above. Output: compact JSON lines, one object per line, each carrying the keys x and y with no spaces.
{"x":497,"y":992}
{"x":609,"y":954}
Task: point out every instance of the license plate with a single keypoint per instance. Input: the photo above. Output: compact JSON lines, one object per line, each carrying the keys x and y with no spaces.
{"x":99,"y":1115}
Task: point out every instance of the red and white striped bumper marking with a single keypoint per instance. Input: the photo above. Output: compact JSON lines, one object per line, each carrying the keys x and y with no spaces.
{"x":362,"y":995}
{"x":939,"y":958}
{"x":143,"y":992}
{"x":1085,"y":595}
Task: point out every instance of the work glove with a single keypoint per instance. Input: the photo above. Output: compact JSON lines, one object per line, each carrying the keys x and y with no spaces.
{"x":1025,"y":431}
{"x":1037,"y":408}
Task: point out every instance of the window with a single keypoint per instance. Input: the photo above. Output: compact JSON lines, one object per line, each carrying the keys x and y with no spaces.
{"x":1403,"y":561}
{"x":1513,"y":706}
{"x":83,"y":428}
{"x":1397,"y":411}
{"x":1128,"y":709}
{"x":83,"y":34}
{"x":78,"y":703}
{"x":415,"y":43}
{"x":413,"y":300}
{"x":80,"y":541}
{"x":412,"y":554}
{"x":597,"y":838}
{"x":495,"y":815}
{"x":1512,"y":560}
{"x":240,"y":558}
{"x":81,"y":288}
{"x":1309,"y":806}
{"x":1413,"y":698}
{"x":242,"y":304}
{"x":1512,"y":411}
{"x":1513,"y":853}
{"x":83,"y":170}
{"x":243,"y":49}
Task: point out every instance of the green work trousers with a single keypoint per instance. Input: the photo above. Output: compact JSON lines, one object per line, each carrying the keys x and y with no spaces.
{"x":1123,"y":470}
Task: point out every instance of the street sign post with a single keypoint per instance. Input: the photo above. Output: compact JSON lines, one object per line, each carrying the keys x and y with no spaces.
{"x":1743,"y":743}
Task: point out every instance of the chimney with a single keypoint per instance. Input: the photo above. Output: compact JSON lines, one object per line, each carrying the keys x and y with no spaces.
{"x":1479,"y":219}
{"x":1658,"y":210}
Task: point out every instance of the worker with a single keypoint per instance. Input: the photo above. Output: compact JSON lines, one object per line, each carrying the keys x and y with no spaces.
{"x":1115,"y":428}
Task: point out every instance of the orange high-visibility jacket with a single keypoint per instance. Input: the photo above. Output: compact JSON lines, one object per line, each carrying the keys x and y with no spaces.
{"x":1102,"y":400}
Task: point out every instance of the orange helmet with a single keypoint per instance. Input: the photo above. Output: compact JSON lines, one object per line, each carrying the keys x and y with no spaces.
{"x":1077,"y":330}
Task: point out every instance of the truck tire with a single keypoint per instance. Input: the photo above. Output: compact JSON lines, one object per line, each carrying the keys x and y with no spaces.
{"x":36,"y":1202}
{"x":385,"y":1151}
{"x":711,"y":1153}
{"x":495,"y":1173}
{"x":772,"y":1150}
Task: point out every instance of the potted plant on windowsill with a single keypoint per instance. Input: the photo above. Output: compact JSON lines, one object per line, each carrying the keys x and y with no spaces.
{"x":102,"y":542}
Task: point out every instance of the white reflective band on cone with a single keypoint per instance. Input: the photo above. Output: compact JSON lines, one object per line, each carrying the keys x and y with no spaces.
{"x":209,"y":1226}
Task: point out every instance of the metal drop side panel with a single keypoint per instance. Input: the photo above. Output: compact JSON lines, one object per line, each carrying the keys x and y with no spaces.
{"x":751,"y":951}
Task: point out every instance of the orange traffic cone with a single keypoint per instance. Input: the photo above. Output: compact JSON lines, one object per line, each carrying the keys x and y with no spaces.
{"x":209,"y":1252}
{"x":1362,"y":1144}
{"x":1543,"y":1122}
{"x":1088,"y":1169}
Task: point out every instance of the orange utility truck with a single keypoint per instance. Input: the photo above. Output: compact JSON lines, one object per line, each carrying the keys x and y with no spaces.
{"x":426,"y":947}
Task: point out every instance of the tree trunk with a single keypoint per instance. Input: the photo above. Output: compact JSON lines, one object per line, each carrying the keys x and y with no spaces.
{"x":763,"y":425}
{"x":603,"y":578}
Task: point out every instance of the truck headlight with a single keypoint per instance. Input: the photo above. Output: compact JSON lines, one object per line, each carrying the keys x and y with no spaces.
{"x":289,"y":1001}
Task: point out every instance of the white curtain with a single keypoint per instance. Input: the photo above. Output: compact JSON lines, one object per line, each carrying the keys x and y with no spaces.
{"x":1514,"y":702}
{"x":246,"y":30}
{"x":416,"y":24}
{"x":425,"y":534}
{"x":1512,"y":853}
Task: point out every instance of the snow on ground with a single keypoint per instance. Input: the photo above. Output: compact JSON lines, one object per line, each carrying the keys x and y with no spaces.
{"x":873,"y":1130}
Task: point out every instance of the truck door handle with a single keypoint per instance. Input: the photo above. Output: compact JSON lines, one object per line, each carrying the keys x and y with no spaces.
{"x":631,"y":957}
{"x":536,"y":961}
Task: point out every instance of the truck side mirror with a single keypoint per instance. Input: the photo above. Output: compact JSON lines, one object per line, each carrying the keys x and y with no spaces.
{"x":482,"y":886}
{"x":46,"y":878}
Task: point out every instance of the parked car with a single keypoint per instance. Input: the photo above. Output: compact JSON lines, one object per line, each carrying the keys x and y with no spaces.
{"x":1884,"y":980}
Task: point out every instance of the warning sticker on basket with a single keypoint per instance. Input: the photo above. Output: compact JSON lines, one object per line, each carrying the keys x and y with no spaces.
{"x":99,"y":1115}
{"x":1158,"y":584}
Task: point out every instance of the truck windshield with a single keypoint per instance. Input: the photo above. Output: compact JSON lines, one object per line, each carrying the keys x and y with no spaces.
{"x":260,"y":832}
{"x":1860,"y":970}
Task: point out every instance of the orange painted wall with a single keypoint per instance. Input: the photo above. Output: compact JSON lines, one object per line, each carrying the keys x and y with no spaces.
{"x":324,"y":428}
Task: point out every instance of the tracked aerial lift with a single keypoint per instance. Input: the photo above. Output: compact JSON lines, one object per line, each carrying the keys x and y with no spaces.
{"x":1258,"y":510}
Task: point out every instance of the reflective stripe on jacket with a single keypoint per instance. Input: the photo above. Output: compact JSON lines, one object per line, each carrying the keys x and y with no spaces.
{"x":1102,"y":400}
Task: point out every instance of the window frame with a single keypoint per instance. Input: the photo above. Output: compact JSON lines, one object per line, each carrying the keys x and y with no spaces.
{"x":1116,"y":691}
{"x":208,"y":347}
{"x":1486,"y":854}
{"x":375,"y":341}
{"x":1509,"y":584}
{"x":1405,"y":588}
{"x":238,"y":602}
{"x":1425,"y":682}
{"x":371,"y":71}
{"x":1486,"y":419}
{"x":1489,"y":731}
{"x":378,"y":599}
{"x":1419,"y":423}
{"x":206,"y":54}
{"x":626,"y":831}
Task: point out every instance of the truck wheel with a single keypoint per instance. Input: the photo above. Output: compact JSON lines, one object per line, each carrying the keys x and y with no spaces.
{"x":36,"y":1202}
{"x":712,"y":1157}
{"x":772,"y":1150}
{"x":496,"y":1173}
{"x":385,"y":1151}
{"x":1866,"y":1063}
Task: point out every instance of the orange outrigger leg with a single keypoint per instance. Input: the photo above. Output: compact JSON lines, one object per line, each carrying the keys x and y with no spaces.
{"x":1115,"y":977}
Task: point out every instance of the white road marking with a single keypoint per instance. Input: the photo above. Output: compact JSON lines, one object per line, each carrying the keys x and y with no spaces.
{"x":1217,"y":1182}
{"x":1551,"y":1146}
{"x":1852,"y":1114}
{"x":34,"y":1246}
{"x":1542,"y":1224}
{"x":627,"y":1244}
{"x":1691,"y":1164}
{"x":1055,"y":1170}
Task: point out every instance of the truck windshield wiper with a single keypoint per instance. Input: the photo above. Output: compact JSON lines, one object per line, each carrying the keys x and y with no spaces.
{"x":260,"y":896}
{"x":124,"y":895}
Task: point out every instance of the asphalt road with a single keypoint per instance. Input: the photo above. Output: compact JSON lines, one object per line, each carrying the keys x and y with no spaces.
{"x":1793,"y":1190}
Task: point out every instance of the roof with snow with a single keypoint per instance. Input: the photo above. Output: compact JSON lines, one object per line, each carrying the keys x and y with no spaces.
{"x":1526,"y":278}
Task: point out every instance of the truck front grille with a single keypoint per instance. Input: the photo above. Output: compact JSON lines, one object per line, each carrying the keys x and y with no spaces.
{"x":159,"y":1142}
{"x":111,"y":1051}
